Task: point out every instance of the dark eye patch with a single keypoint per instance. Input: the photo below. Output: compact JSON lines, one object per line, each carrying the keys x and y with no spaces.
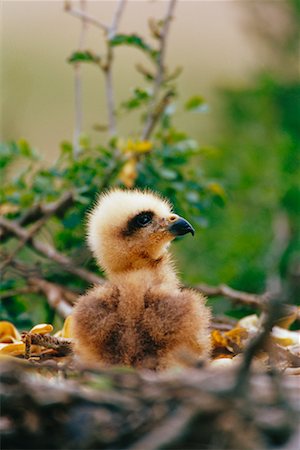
{"x":139,"y":221}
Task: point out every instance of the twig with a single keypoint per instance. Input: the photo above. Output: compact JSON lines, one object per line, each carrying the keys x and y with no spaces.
{"x":22,"y":243}
{"x":21,"y":291}
{"x":168,"y":431}
{"x":78,"y":85}
{"x":62,"y":345}
{"x":116,"y":19}
{"x":58,"y":297}
{"x":82,"y":15}
{"x":159,"y":78}
{"x":107,"y":69}
{"x":57,"y":208}
{"x":257,"y":343}
{"x":49,"y":251}
{"x":254,"y":300}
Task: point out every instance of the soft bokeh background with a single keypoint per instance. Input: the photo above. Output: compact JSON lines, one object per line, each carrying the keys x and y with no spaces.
{"x":243,"y":57}
{"x":207,"y":39}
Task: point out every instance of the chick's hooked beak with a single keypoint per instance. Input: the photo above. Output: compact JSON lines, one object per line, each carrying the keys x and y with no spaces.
{"x":178,"y":226}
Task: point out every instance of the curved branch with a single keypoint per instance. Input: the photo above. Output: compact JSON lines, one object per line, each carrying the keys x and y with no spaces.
{"x":48,"y":251}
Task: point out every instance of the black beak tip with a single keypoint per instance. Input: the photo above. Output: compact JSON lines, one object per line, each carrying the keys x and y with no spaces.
{"x":181,"y":227}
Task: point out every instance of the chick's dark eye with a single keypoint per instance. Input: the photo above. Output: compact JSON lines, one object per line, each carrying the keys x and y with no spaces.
{"x":144,"y":219}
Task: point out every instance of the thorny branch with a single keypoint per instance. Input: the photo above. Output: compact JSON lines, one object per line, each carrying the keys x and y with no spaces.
{"x":159,"y":78}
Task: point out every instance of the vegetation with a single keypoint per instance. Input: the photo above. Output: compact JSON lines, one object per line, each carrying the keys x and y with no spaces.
{"x":250,"y":239}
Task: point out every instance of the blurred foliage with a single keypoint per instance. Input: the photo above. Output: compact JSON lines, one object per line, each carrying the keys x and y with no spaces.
{"x":257,"y":236}
{"x":257,"y":160}
{"x":169,"y":161}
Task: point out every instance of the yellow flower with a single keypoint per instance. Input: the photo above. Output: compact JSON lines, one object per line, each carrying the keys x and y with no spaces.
{"x":136,"y":146}
{"x":128,"y":173}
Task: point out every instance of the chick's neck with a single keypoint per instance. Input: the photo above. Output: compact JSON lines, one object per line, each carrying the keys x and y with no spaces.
{"x":151,"y":273}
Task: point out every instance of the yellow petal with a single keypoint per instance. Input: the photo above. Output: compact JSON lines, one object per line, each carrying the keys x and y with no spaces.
{"x":286,"y":321}
{"x":8,"y":332}
{"x":15,"y":349}
{"x":128,"y":173}
{"x":65,"y":332}
{"x":285,"y":337}
{"x":42,"y":328}
{"x":250,"y":323}
{"x":143,"y":146}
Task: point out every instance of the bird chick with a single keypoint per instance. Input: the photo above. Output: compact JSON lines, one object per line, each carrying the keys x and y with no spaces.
{"x":141,"y":316}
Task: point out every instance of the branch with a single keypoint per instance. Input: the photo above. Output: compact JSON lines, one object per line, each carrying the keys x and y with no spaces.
{"x":34,"y":229}
{"x":49,"y":251}
{"x":82,"y":15}
{"x":78,"y":86}
{"x":58,"y":297}
{"x":116,"y":19}
{"x":62,"y":345}
{"x":275,"y":310}
{"x":254,"y":300}
{"x":21,"y":291}
{"x":107,"y":69}
{"x":57,"y":208}
{"x":151,"y":119}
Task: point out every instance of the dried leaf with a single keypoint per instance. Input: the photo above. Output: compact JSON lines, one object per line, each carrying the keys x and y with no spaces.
{"x":42,"y":328}
{"x":8,"y":332}
{"x":15,"y":349}
{"x":128,"y":173}
{"x":65,"y":332}
{"x":285,"y":337}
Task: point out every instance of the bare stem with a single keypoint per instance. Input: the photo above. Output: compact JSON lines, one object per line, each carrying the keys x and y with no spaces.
{"x":40,"y":210}
{"x":159,"y":78}
{"x":82,"y":15}
{"x":78,"y":85}
{"x":109,"y":90}
{"x":58,"y":297}
{"x":254,"y":300}
{"x":48,"y":251}
{"x":61,"y":345}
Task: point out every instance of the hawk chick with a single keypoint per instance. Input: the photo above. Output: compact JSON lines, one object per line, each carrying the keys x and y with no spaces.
{"x":141,"y":316}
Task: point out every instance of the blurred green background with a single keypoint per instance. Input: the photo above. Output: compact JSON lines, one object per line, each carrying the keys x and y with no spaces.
{"x":243,"y":58}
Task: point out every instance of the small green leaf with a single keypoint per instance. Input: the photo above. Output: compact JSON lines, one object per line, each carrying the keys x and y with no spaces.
{"x":66,"y":147}
{"x":84,"y":56}
{"x":135,"y":41}
{"x":196,"y":104}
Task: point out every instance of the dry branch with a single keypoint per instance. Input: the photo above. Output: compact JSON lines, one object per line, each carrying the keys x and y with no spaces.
{"x":254,"y":300}
{"x":113,"y":409}
{"x":159,"y":78}
{"x":58,"y":297}
{"x":48,"y":251}
{"x":78,"y":85}
{"x":82,"y":15}
{"x":107,"y":68}
{"x":57,"y":208}
{"x":62,"y":346}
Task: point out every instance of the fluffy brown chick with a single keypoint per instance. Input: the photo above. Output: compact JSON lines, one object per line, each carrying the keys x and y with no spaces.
{"x":141,"y":316}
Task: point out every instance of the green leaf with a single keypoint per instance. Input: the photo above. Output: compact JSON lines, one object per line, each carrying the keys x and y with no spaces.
{"x":196,"y":104}
{"x":135,"y":41}
{"x":84,"y":56}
